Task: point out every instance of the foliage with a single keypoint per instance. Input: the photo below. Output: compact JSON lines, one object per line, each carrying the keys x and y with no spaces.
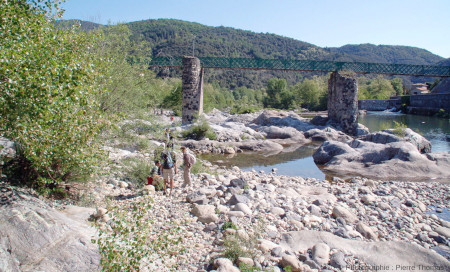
{"x":399,"y":129}
{"x":48,"y":91}
{"x":198,"y":168}
{"x":229,"y":225}
{"x":200,"y":130}
{"x":277,"y":94}
{"x":236,"y":246}
{"x":443,"y":114}
{"x":132,"y":243}
{"x":174,"y":99}
{"x":312,"y":93}
{"x":376,"y":88}
{"x":136,"y":171}
{"x":397,"y":84}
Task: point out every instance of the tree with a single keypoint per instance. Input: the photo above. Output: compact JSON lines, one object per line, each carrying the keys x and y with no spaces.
{"x":376,"y":88}
{"x":48,"y":92}
{"x":277,"y":94}
{"x":311,"y":94}
{"x":397,"y":84}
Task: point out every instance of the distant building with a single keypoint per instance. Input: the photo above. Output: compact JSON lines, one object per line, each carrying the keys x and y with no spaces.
{"x":419,"y":88}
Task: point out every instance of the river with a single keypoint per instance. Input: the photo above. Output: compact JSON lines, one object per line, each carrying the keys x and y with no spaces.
{"x":299,"y":162}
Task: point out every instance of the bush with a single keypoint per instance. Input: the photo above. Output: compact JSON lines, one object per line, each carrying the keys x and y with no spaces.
{"x":199,"y":131}
{"x":48,"y":92}
{"x":131,"y":243}
{"x":137,"y":171}
{"x":236,"y":246}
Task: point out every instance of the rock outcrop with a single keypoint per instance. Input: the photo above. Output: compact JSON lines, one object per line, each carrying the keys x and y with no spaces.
{"x":35,"y":237}
{"x":392,"y":160}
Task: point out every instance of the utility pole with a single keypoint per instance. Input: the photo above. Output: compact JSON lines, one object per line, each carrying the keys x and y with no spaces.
{"x":193,"y":45}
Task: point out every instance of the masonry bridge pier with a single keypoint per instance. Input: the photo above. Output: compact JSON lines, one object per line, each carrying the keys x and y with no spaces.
{"x":342,"y":87}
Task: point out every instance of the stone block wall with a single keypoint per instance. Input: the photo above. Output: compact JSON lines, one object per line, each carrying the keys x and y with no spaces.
{"x":433,"y":102}
{"x":192,"y":93}
{"x":343,"y":101}
{"x":373,"y":104}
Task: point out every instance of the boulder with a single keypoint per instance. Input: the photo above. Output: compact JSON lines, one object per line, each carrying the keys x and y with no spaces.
{"x":196,"y":197}
{"x":35,"y":237}
{"x":278,"y":211}
{"x":7,"y":149}
{"x":274,"y":132}
{"x":205,"y":213}
{"x":235,"y":199}
{"x":149,"y":189}
{"x":283,"y":119}
{"x":225,"y":265}
{"x":404,"y":135}
{"x":292,"y":261}
{"x":243,"y":260}
{"x":395,"y":160}
{"x":319,"y":120}
{"x":243,"y":208}
{"x":443,"y":231}
{"x":366,"y":231}
{"x":338,"y":260}
{"x":342,"y":212}
{"x":327,"y":134}
{"x":386,"y":253}
{"x":321,"y":253}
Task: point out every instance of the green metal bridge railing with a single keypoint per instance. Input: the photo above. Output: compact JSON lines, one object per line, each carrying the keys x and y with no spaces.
{"x":309,"y":65}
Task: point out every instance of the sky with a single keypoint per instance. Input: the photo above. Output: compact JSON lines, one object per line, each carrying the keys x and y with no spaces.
{"x":325,"y":23}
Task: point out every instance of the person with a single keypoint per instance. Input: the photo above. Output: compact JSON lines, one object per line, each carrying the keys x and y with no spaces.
{"x":155,"y":176}
{"x":189,"y":161}
{"x":169,"y":138}
{"x":169,"y":168}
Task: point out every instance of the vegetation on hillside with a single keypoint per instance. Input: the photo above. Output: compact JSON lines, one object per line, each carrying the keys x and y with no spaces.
{"x":61,"y":84}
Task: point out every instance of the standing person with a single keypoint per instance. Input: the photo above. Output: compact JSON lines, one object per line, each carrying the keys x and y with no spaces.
{"x":189,"y":161}
{"x":169,"y":168}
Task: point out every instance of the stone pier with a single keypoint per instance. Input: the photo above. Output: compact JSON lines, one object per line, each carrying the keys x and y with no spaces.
{"x":343,"y":101}
{"x":192,"y":85}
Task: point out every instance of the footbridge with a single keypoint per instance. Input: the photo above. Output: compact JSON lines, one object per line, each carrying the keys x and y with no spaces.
{"x":310,"y":65}
{"x":342,"y":87}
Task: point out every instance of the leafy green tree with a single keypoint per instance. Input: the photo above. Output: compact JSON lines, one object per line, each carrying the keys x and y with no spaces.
{"x":277,"y":94}
{"x":397,"y":84}
{"x":48,"y":91}
{"x":311,"y":94}
{"x":380,"y":88}
{"x":376,"y":88}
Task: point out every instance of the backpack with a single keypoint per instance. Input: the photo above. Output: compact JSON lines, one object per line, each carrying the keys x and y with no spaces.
{"x":167,"y":160}
{"x":191,"y":158}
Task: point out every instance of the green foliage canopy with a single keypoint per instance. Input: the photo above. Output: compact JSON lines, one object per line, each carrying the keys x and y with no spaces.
{"x":48,"y":95}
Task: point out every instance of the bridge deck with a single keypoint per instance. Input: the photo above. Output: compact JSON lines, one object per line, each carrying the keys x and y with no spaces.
{"x":309,"y":65}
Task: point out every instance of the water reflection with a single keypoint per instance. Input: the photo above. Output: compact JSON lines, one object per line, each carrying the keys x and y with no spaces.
{"x":298,"y":161}
{"x":293,"y":161}
{"x":436,"y":130}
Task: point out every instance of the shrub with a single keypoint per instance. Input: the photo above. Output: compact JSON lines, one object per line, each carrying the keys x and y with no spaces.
{"x":48,"y":92}
{"x":132,"y":243}
{"x":229,"y":225}
{"x":199,"y":131}
{"x":236,"y":246}
{"x":137,"y":171}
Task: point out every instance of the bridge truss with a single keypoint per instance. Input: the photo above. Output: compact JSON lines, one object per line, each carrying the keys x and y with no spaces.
{"x":309,"y":65}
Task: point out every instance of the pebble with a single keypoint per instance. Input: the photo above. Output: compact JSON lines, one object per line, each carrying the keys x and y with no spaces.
{"x":360,"y":210}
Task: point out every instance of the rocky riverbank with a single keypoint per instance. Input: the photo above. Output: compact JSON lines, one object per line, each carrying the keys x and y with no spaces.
{"x":263,"y":220}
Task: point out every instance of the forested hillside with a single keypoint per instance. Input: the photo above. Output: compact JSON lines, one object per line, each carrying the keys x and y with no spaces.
{"x":387,"y":54}
{"x":170,"y":37}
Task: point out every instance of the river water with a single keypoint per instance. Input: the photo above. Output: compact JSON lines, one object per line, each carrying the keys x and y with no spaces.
{"x":299,"y":162}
